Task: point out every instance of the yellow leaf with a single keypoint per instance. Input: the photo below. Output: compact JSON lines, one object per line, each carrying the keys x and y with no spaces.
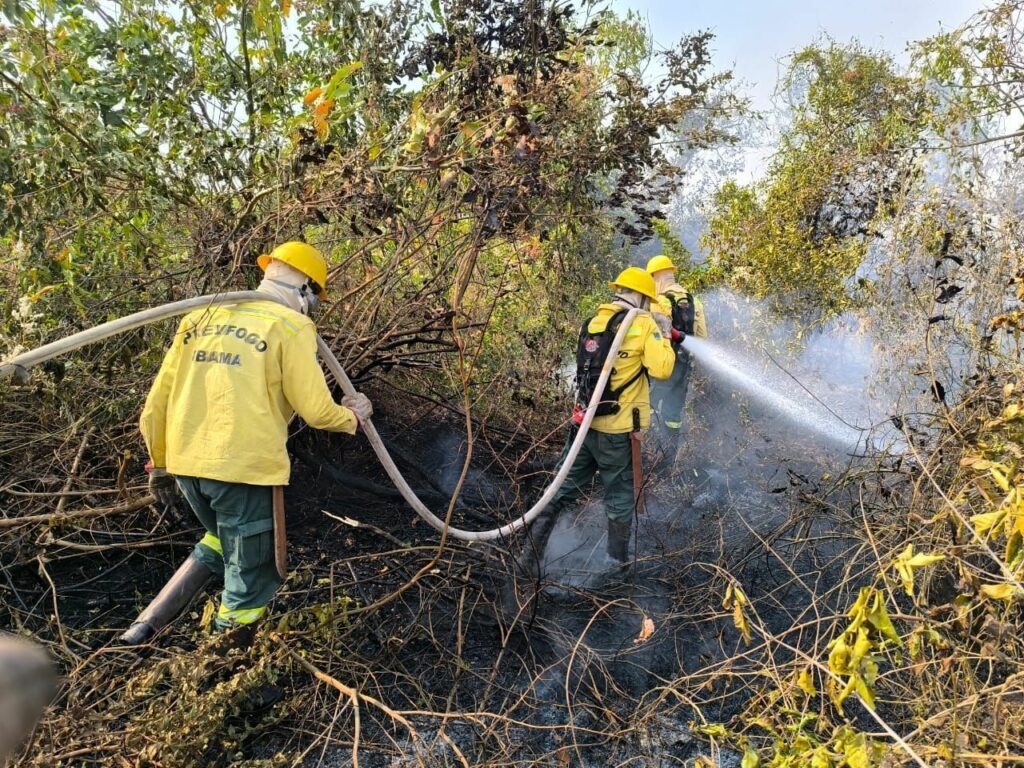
{"x":999,"y":591}
{"x":861,"y":646}
{"x":907,"y":561}
{"x":750,"y":759}
{"x":880,"y":620}
{"x":737,"y":600}
{"x":839,"y":657}
{"x":646,"y":630}
{"x":470,"y":128}
{"x":312,"y":96}
{"x":209,"y":610}
{"x":1013,"y":549}
{"x":37,"y":295}
{"x":220,"y":10}
{"x":286,"y":7}
{"x":805,"y":682}
{"x":997,"y":471}
{"x":856,"y":752}
{"x":987,"y":521}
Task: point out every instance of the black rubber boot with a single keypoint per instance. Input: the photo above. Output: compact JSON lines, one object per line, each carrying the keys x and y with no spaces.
{"x":172,"y":599}
{"x":239,"y":637}
{"x":262,"y":698}
{"x":618,"y":540}
{"x":536,"y":542}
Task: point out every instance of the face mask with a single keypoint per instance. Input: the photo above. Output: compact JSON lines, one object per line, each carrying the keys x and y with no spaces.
{"x":307,"y":295}
{"x":311,"y":300}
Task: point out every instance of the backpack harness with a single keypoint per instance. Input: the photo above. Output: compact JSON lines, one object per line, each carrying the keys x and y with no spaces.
{"x":591,"y":353}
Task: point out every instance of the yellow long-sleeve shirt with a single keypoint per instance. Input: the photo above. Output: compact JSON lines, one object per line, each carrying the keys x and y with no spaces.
{"x":220,"y":405}
{"x":664,"y":307}
{"x":644,"y":346}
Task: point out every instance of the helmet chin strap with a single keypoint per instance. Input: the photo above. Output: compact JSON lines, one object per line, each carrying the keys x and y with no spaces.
{"x":625,"y":300}
{"x":633,"y":299}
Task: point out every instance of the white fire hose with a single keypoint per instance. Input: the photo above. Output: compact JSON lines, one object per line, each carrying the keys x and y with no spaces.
{"x":46,"y":352}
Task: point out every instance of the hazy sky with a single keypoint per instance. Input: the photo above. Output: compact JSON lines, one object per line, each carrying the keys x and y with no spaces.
{"x":753,"y":36}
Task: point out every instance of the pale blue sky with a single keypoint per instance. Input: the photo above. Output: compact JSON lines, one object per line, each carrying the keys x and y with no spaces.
{"x":753,"y":36}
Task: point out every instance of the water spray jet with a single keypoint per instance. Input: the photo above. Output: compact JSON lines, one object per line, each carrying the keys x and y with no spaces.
{"x":810,"y":416}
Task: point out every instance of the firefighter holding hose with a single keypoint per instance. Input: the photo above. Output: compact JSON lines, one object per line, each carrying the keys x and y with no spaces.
{"x":216,"y":423}
{"x":624,"y":410}
{"x":686,"y":313}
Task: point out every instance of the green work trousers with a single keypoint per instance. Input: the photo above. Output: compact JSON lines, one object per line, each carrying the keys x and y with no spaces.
{"x":239,"y":544}
{"x":608,"y":455}
{"x":668,"y":398}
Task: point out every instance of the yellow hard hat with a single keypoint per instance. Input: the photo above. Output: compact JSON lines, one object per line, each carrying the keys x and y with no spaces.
{"x":305,"y":258}
{"x":659,"y":263}
{"x":637,"y":280}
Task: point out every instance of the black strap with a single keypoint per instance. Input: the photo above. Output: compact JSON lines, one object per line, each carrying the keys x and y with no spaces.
{"x":616,"y":392}
{"x":613,"y":324}
{"x":615,"y":321}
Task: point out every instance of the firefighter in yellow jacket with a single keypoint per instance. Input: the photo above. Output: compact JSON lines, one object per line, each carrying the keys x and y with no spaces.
{"x":686,"y":313}
{"x":216,"y":423}
{"x":645,"y":351}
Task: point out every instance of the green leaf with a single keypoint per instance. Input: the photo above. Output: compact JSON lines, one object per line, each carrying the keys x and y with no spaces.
{"x":714,"y":730}
{"x":333,"y":88}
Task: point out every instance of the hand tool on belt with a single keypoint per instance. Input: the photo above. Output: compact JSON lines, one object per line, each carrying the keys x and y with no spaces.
{"x":280,"y":534}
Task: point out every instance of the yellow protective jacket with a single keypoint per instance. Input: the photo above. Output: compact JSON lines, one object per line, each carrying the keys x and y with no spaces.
{"x":643,"y":346}
{"x":220,"y":405}
{"x":664,"y":307}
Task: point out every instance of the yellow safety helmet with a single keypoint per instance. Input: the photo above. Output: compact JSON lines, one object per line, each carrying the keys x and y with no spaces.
{"x":658,"y":263}
{"x":305,"y":258}
{"x":635,"y":279}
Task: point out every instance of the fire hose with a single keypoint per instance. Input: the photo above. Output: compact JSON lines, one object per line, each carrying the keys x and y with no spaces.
{"x":21,"y":363}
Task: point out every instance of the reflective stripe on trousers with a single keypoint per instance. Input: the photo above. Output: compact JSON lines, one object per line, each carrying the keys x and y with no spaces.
{"x":211,"y":541}
{"x":228,"y":616}
{"x":239,"y":544}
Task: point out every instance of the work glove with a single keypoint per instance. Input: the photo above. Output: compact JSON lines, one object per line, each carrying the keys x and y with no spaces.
{"x":360,"y":405}
{"x":162,"y":485}
{"x":676,"y":338}
{"x":664,"y":323}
